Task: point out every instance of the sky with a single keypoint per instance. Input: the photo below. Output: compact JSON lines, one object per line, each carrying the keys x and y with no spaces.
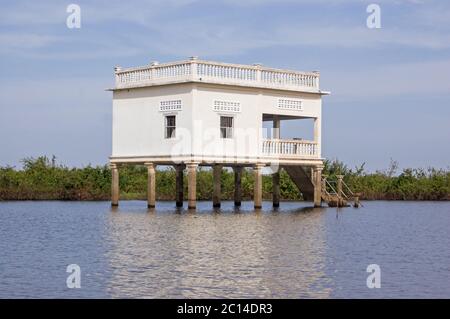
{"x":390,"y":86}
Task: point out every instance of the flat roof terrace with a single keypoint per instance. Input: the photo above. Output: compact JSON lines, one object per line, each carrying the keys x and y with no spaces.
{"x":195,"y":70}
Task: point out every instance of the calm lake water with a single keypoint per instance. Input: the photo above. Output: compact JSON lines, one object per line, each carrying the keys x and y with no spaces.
{"x":294,"y":252}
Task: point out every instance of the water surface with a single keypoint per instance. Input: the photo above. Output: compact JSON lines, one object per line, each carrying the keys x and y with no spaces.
{"x":292,"y":252}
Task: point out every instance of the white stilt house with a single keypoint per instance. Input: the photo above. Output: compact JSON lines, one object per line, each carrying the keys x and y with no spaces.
{"x":196,"y":112}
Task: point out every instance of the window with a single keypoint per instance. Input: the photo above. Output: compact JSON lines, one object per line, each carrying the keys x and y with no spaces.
{"x":170,"y":126}
{"x":226,"y":127}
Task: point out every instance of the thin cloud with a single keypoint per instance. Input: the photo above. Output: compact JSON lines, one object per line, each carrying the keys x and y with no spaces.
{"x":410,"y":79}
{"x":13,"y":42}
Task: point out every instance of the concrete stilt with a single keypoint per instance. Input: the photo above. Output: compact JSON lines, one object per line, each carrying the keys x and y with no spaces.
{"x":151,"y":185}
{"x":114,"y":185}
{"x":217,"y":172}
{"x":179,"y":169}
{"x":276,"y":189}
{"x":317,"y":178}
{"x":257,"y":191}
{"x":192,"y":184}
{"x":237,"y":185}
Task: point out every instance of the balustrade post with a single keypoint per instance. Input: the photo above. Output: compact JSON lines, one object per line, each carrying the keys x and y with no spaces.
{"x":194,"y":64}
{"x":258,"y":72}
{"x":117,"y":69}
{"x":317,"y":79}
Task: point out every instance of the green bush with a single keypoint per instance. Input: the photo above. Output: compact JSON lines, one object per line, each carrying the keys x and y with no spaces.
{"x":42,"y":179}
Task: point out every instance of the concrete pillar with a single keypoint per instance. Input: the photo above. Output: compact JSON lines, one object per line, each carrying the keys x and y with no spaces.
{"x":276,"y":189}
{"x":276,"y":127}
{"x":257,"y":188}
{"x":318,"y":135}
{"x":179,"y":169}
{"x":151,"y":185}
{"x":114,"y":185}
{"x":217,"y":173}
{"x":237,"y":185}
{"x":192,"y":184}
{"x":317,"y":186}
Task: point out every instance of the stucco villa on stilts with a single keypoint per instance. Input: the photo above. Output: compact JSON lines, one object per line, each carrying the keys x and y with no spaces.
{"x":195,"y":112}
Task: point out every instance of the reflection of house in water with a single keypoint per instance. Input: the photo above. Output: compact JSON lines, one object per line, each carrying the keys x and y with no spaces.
{"x":218,"y":255}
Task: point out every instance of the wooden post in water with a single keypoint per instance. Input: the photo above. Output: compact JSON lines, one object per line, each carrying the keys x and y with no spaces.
{"x":276,"y":188}
{"x":237,"y":185}
{"x":179,"y":185}
{"x":339,"y":190}
{"x":217,"y":172}
{"x":356,"y":202}
{"x":114,"y":185}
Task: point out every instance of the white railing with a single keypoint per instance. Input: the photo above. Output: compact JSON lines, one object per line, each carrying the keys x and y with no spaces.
{"x":148,"y":75}
{"x":212,"y":70}
{"x":215,"y":72}
{"x":290,"y":78}
{"x":289,"y":148}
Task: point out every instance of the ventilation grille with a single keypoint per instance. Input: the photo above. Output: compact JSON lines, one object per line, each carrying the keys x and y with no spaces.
{"x":290,"y":104}
{"x":171,"y":105}
{"x":227,"y":106}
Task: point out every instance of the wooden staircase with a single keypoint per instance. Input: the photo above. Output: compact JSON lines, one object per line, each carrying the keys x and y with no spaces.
{"x":338,"y":194}
{"x":331,"y":197}
{"x":334,"y":193}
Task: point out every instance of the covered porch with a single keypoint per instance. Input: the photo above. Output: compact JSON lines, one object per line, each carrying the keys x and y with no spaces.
{"x":296,"y":142}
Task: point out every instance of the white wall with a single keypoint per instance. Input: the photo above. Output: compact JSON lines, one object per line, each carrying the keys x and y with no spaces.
{"x":138,"y":125}
{"x":254,"y":102}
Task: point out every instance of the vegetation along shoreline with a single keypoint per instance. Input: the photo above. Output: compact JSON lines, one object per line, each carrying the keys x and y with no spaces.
{"x":42,"y":178}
